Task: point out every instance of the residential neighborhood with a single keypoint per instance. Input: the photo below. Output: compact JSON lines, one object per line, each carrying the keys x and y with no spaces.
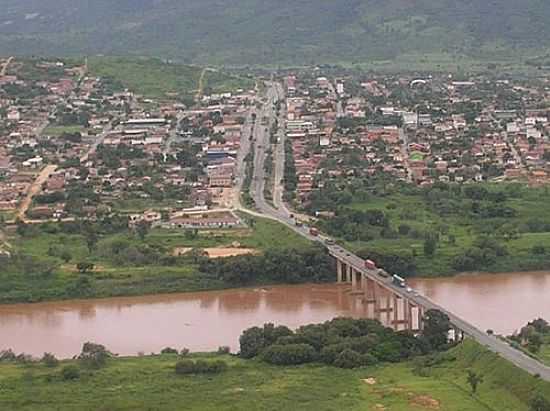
{"x":417,"y":129}
{"x":74,"y":146}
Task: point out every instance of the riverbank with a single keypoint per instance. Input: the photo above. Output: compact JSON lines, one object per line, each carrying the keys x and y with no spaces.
{"x":125,"y":264}
{"x":150,"y":382}
{"x":57,"y":261}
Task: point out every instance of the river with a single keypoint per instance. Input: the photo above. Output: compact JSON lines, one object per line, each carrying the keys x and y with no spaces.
{"x":203,"y":321}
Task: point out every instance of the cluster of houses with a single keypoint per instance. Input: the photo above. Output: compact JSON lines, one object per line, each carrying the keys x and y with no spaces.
{"x":98,"y":149}
{"x":418,"y":129}
{"x":27,"y":105}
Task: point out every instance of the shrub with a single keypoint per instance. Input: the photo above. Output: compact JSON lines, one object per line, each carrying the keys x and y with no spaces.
{"x":7,"y":355}
{"x":538,"y":250}
{"x":94,"y":355}
{"x":184,"y":352}
{"x":49,"y":360}
{"x":291,"y":354}
{"x":169,"y":350}
{"x":348,"y":359}
{"x":23,"y":358}
{"x":331,"y":352}
{"x":70,"y":372}
{"x":184,"y":367}
{"x":251,"y":342}
{"x":223,"y":350}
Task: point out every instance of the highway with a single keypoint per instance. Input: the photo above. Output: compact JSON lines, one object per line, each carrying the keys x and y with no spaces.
{"x":283,"y":215}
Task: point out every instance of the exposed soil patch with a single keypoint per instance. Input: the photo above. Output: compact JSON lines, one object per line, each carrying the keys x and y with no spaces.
{"x":425,"y":401}
{"x":218,"y":252}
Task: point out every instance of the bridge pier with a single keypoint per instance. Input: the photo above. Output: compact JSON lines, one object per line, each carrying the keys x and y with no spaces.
{"x":392,"y":307}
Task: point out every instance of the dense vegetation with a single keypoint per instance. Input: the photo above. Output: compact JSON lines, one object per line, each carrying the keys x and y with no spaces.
{"x":220,"y":382}
{"x":281,"y":266}
{"x":105,"y":258}
{"x":441,"y":229}
{"x":344,"y":342}
{"x":535,"y":338}
{"x":263,"y":32}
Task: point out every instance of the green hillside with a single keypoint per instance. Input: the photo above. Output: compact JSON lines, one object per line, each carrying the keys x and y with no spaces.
{"x":264,"y":32}
{"x":155,"y":78}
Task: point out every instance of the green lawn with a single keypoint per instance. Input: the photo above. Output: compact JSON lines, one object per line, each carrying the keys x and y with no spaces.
{"x":150,"y":383}
{"x":59,"y":130}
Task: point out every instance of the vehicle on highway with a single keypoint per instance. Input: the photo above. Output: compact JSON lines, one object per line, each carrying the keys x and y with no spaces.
{"x":399,"y":281}
{"x":383,"y":273}
{"x":330,"y":241}
{"x":313,"y":231}
{"x":370,"y":265}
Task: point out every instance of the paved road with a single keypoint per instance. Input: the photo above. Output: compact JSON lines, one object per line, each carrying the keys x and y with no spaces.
{"x":283,"y":215}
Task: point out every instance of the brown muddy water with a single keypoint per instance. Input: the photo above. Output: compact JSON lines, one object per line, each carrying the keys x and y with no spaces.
{"x":204,"y":321}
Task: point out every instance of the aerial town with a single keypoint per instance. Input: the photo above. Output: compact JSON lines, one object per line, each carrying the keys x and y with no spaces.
{"x":97,"y":150}
{"x":72,"y":147}
{"x":422,"y":130}
{"x":252,"y":205}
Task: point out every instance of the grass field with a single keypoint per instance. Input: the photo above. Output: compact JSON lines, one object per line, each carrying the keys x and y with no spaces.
{"x":413,"y":211}
{"x":59,"y":130}
{"x":150,"y":383}
{"x":544,"y":353}
{"x":112,"y":279}
{"x":155,"y":79}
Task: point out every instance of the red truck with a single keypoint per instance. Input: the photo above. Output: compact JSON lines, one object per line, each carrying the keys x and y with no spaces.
{"x":313,"y":231}
{"x":370,"y":265}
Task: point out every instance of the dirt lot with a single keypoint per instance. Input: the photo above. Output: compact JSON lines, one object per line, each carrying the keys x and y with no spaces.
{"x":218,"y":252}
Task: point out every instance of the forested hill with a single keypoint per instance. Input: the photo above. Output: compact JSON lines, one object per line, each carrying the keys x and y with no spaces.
{"x":241,"y":32}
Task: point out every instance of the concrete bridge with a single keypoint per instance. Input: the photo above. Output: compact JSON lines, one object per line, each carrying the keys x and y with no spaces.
{"x":404,"y":308}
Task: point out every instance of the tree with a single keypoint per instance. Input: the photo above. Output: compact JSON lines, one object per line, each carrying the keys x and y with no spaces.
{"x":84,"y":267}
{"x":251,"y":342}
{"x":142,"y":229}
{"x":66,"y":256}
{"x":49,"y":360}
{"x":538,"y":249}
{"x":94,"y":355}
{"x":436,"y":328}
{"x":197,"y":255}
{"x":70,"y":372}
{"x":430,"y":245}
{"x":91,"y":240}
{"x":474,"y":380}
{"x":191,"y":234}
{"x":539,"y":403}
{"x":290,"y":354}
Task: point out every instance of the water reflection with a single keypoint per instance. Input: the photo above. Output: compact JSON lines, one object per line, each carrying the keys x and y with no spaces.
{"x":501,"y":302}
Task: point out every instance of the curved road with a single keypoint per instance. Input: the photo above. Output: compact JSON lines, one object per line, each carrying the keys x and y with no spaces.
{"x":283,"y":215}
